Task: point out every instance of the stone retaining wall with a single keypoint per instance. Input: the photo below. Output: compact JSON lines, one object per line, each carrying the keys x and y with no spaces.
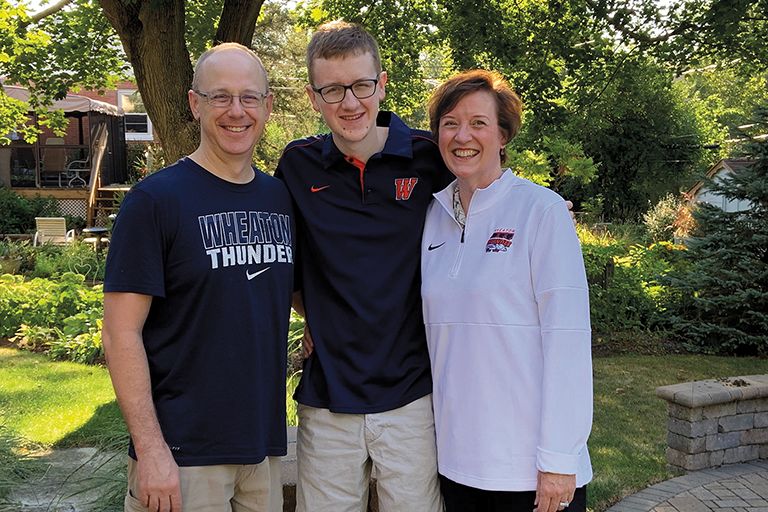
{"x":716,"y":422}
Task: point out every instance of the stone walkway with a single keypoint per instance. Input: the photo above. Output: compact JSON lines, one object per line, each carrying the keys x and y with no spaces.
{"x":734,"y":488}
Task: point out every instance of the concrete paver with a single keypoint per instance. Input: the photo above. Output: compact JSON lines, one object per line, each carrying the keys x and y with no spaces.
{"x":733,"y":488}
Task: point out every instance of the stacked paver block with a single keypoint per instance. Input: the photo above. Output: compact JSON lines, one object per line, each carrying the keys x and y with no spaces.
{"x":716,"y":422}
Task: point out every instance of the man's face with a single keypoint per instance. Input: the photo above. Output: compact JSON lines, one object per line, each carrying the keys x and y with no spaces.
{"x":352,"y":120}
{"x":230,"y":131}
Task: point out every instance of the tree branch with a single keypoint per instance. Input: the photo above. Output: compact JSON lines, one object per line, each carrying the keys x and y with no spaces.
{"x":34,"y":18}
{"x":637,"y":36}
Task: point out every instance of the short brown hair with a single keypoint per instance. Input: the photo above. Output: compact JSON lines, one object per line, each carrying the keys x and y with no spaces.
{"x":341,"y":39}
{"x":509,"y":107}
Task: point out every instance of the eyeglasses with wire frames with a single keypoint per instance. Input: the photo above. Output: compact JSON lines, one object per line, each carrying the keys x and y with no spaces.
{"x":361,"y":89}
{"x":224,"y":99}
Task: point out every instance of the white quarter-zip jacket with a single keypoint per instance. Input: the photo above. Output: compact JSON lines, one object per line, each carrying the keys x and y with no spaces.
{"x":506,"y":308}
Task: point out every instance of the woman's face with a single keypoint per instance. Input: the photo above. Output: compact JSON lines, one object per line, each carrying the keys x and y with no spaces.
{"x":470,"y":139}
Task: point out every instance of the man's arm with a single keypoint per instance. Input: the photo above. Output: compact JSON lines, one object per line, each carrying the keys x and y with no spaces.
{"x":307,"y":345}
{"x":158,"y":474}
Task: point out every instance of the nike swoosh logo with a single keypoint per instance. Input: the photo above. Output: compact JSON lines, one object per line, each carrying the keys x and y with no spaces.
{"x":433,"y":247}
{"x":318,"y":189}
{"x":251,"y":276}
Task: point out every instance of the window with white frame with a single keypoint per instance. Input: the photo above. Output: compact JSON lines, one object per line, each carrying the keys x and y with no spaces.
{"x":138,"y":126}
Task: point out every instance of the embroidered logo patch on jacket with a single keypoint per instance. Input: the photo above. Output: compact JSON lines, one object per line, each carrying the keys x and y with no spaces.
{"x":404,"y":187}
{"x":500,"y":240}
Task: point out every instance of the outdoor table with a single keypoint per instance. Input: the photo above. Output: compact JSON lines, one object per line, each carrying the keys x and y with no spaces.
{"x":95,"y":233}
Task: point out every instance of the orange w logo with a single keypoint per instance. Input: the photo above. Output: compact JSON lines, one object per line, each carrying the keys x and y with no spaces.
{"x":404,"y":187}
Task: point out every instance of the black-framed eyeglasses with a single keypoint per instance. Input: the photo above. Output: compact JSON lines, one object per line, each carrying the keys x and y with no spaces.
{"x":224,"y":99}
{"x":335,"y":93}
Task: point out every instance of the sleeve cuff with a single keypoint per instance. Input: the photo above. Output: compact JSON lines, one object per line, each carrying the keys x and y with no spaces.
{"x":552,"y":462}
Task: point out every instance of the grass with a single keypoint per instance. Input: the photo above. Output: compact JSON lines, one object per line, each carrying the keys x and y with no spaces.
{"x":15,"y":464}
{"x":56,"y":403}
{"x":45,"y":403}
{"x":68,"y":404}
{"x":629,"y":431}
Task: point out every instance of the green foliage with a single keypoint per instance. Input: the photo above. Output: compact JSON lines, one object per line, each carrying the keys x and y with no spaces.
{"x":623,"y":275}
{"x":201,"y":19}
{"x":80,"y":339}
{"x":17,"y":214}
{"x":78,"y":258}
{"x":616,"y":295}
{"x":641,"y":132}
{"x":729,"y":31}
{"x":295,"y":362}
{"x":660,"y":220}
{"x":559,"y":160}
{"x":62,"y":316}
{"x":721,"y":300}
{"x":58,"y":53}
{"x":711,"y":90}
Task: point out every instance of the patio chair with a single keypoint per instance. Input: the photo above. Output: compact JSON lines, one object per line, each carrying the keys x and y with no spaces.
{"x":76,"y":169}
{"x":52,"y":230}
{"x":54,"y":160}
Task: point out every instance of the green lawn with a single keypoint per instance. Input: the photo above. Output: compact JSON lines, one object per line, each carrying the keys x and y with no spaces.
{"x":56,"y":402}
{"x":68,"y":404}
{"x":629,"y":431}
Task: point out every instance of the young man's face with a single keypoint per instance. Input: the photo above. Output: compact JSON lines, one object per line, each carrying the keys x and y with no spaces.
{"x":352,"y":120}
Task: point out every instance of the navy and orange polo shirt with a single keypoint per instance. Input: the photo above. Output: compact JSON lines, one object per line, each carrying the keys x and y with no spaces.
{"x":359,"y":233}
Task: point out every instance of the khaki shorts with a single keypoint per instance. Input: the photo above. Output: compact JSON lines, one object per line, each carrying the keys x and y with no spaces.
{"x":222,"y":488}
{"x":336,"y":454}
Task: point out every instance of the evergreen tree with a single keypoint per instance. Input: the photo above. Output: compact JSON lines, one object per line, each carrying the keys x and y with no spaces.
{"x":720,"y":300}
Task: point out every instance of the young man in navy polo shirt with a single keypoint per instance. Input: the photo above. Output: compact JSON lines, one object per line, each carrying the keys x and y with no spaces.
{"x":361,"y":195}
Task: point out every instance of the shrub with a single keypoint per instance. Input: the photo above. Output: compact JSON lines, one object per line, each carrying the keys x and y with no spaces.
{"x":17,"y":214}
{"x":60,"y":317}
{"x":660,"y":220}
{"x":623,"y":276}
{"x":45,"y":303}
{"x":78,"y":258}
{"x":79,"y":340}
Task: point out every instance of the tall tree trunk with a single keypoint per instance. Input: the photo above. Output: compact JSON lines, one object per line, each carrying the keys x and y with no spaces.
{"x":238,"y":21}
{"x":152,"y":33}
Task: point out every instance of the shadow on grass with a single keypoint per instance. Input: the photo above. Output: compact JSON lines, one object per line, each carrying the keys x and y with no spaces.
{"x":104,"y":430}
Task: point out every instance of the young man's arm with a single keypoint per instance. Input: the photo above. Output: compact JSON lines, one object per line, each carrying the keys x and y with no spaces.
{"x":158,"y":474}
{"x":307,"y":345}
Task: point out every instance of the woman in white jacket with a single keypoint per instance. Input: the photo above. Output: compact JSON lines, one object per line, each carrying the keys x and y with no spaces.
{"x":506,"y":308}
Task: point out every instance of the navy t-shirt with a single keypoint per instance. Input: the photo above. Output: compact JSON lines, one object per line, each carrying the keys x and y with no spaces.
{"x":359,"y":237}
{"x":217,"y":257}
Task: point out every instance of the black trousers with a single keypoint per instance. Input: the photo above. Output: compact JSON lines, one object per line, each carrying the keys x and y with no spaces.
{"x":462,"y":498}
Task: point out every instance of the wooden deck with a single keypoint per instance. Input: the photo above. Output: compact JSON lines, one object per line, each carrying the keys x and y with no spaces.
{"x":58,"y":193}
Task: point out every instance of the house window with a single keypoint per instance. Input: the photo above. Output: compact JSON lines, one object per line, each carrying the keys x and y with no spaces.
{"x":138,"y":126}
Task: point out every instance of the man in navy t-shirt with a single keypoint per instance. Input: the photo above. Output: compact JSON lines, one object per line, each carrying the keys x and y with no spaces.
{"x":361,"y":195}
{"x":196,"y":305}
